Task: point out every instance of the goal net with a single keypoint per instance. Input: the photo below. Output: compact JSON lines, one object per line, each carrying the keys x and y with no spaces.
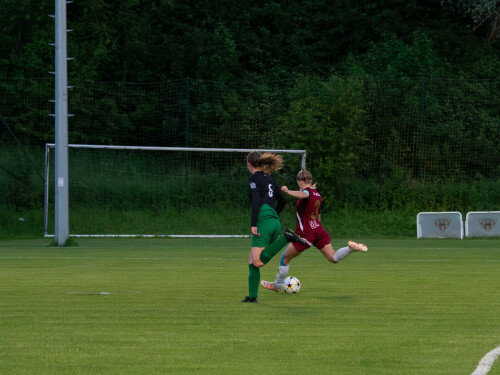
{"x":160,"y":191}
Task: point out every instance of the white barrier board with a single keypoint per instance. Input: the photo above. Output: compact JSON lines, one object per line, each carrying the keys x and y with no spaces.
{"x":482,"y":224}
{"x":440,"y":225}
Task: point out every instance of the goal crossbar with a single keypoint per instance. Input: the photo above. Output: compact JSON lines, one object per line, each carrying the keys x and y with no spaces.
{"x":159,"y":148}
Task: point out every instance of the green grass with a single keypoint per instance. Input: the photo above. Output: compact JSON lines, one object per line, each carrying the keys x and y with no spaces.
{"x":195,"y":220}
{"x":171,"y":306}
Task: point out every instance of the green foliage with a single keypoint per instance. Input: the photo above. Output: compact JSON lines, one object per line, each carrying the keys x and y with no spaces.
{"x":25,"y":33}
{"x":20,"y":223}
{"x":19,"y":196}
{"x":392,"y":58}
{"x":25,"y":106}
{"x":482,"y":12}
{"x":327,"y":119}
{"x":150,"y":41}
{"x":20,"y":184}
{"x":403,"y":194}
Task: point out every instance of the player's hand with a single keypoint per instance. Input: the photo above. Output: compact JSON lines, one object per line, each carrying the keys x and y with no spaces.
{"x":284,"y":189}
{"x":255,"y":232}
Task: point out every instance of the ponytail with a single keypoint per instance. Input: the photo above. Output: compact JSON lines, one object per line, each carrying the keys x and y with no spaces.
{"x":269,"y":162}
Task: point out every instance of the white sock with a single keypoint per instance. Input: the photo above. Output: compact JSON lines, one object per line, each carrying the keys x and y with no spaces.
{"x":341,"y":253}
{"x":281,"y":275}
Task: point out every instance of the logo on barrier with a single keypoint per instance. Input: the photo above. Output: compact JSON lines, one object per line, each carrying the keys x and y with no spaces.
{"x":442,"y":223}
{"x":488,"y":223}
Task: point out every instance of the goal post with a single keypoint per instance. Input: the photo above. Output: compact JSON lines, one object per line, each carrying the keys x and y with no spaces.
{"x":141,"y":191}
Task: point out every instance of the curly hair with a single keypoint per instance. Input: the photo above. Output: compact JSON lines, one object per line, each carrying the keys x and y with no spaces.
{"x":268,"y":161}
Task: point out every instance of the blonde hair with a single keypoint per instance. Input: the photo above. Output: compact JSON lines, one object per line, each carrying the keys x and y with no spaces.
{"x":305,"y":175}
{"x":267,"y":161}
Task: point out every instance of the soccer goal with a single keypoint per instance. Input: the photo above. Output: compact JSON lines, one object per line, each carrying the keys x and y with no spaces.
{"x":482,"y":224}
{"x":440,"y":225}
{"x":130,"y":191}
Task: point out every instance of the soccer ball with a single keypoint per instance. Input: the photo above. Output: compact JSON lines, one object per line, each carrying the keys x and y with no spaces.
{"x":291,"y":285}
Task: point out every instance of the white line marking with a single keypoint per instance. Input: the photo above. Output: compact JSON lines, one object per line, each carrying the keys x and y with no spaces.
{"x":126,"y":258}
{"x":486,"y":362}
{"x":103,"y":293}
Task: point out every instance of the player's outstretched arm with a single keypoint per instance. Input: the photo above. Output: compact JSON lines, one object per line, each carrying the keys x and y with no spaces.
{"x":294,"y":193}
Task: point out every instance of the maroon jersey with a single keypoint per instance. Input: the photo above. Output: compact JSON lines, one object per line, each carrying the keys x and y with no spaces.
{"x":308,"y":211}
{"x":308,"y":225}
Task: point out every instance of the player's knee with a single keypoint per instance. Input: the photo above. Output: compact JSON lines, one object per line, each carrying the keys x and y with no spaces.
{"x":258,"y":263}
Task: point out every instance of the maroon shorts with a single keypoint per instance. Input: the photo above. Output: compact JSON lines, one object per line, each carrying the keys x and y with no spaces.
{"x":318,"y":238}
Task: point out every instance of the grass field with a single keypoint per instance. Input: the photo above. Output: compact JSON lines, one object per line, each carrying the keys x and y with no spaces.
{"x":172,"y":306}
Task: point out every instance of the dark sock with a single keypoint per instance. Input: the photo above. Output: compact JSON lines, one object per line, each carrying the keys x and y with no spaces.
{"x":253,"y":281}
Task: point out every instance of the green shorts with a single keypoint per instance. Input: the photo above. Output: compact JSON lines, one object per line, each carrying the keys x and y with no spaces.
{"x":268,"y":225}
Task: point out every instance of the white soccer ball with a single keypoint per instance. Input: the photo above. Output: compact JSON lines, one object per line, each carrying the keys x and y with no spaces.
{"x":291,"y":285}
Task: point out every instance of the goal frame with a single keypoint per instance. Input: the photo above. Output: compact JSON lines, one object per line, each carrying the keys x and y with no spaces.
{"x":49,"y":146}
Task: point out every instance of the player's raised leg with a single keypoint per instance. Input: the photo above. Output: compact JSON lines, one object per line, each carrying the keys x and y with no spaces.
{"x":272,"y":249}
{"x":289,"y":253}
{"x":351,"y":247}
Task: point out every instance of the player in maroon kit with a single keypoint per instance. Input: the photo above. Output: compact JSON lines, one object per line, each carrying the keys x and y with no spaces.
{"x":310,"y":229}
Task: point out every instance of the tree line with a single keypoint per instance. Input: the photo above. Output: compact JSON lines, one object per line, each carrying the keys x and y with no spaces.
{"x":150,"y":41}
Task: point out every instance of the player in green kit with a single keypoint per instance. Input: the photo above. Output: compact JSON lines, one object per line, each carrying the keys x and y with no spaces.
{"x":266,"y":226}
